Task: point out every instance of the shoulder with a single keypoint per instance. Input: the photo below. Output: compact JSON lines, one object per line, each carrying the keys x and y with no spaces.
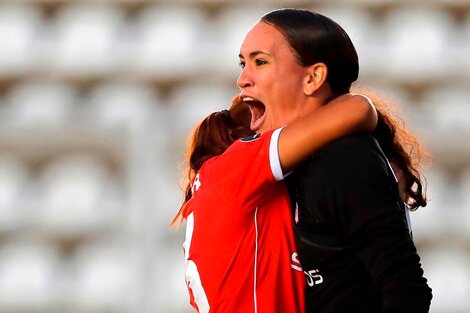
{"x":243,"y":154}
{"x":354,"y":145}
{"x":359,"y":149}
{"x":357,"y":156}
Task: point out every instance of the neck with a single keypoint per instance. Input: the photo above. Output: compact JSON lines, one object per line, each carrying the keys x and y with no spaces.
{"x":321,"y":97}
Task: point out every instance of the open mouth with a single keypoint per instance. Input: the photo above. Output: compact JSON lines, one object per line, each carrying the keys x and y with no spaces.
{"x":258,"y":111}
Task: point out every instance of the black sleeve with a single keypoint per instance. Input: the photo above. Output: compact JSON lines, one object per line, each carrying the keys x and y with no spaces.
{"x":358,"y":193}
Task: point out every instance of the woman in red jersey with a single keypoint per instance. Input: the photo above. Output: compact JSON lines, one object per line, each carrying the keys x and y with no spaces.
{"x":240,"y":254}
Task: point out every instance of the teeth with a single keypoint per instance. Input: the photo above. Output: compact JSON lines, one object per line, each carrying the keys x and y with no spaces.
{"x":248,"y":99}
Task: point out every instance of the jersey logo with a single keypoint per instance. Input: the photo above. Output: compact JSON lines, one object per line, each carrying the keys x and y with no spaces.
{"x":313,"y":277}
{"x":196,"y":184}
{"x":250,"y":138}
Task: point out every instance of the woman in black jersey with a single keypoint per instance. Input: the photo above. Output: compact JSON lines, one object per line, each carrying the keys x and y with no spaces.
{"x":349,"y":216}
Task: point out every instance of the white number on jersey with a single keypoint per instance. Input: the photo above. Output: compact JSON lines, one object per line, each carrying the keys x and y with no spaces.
{"x":193,"y":280}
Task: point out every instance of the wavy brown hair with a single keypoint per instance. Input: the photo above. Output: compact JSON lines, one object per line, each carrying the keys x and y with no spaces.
{"x":212,"y":137}
{"x":403,"y":150}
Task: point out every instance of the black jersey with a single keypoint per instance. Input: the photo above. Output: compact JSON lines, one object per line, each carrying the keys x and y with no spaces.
{"x":352,"y":234}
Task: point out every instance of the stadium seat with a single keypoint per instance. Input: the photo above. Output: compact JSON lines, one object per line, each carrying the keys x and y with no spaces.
{"x":84,"y":38}
{"x":464,"y":195}
{"x":231,"y":26}
{"x":167,"y":44}
{"x":19,"y":25}
{"x":13,"y":180}
{"x":40,"y":104}
{"x":440,"y":218}
{"x":447,"y":271}
{"x":449,"y":114}
{"x":191,"y":103}
{"x":103,"y":277}
{"x":29,"y":276}
{"x":449,"y":109}
{"x":417,"y":42}
{"x":77,"y":197}
{"x":365,"y":33}
{"x":463,"y":39}
{"x":121,"y":105}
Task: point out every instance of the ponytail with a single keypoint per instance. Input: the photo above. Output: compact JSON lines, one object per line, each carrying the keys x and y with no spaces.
{"x":212,"y":137}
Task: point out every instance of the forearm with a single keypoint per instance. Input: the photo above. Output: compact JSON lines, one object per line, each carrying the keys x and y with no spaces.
{"x":345,"y":115}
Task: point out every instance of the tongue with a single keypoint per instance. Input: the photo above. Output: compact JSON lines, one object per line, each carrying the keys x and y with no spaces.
{"x":257,"y":112}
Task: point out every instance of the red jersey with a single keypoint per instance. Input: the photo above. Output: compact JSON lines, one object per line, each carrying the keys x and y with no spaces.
{"x":239,"y":248}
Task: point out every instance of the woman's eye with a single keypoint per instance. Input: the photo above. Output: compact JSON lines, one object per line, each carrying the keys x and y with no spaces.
{"x":242,"y":64}
{"x":260,"y":62}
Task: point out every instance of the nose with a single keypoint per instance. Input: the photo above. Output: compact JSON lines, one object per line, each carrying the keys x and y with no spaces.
{"x":244,"y":80}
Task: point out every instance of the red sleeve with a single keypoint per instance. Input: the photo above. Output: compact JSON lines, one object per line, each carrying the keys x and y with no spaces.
{"x":246,"y":170}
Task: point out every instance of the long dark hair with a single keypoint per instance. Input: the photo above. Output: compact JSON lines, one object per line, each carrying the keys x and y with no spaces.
{"x":403,"y":150}
{"x":316,"y":38}
{"x":212,"y":137}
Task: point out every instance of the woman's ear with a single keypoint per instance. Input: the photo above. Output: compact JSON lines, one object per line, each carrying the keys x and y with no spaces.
{"x":314,"y":78}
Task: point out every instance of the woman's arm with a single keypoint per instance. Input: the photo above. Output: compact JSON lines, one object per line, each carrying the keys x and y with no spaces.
{"x":343,"y":116}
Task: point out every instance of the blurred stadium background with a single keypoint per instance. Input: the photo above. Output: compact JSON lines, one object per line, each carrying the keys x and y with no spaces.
{"x":97,"y":99}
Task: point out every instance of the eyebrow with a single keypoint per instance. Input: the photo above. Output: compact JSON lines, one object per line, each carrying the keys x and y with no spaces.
{"x":254,"y":54}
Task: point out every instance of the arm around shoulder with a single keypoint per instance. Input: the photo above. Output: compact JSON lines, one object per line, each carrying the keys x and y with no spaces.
{"x":341,"y":117}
